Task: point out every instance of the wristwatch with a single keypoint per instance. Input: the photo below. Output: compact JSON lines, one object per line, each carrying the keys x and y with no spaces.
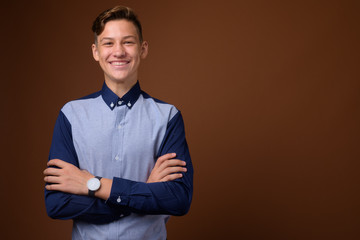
{"x":93,"y":185}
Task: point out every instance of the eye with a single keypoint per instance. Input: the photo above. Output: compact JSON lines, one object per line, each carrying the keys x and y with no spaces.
{"x":107,"y":43}
{"x":129,"y":42}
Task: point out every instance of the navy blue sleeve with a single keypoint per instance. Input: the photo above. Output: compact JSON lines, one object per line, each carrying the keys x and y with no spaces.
{"x":172,"y":197}
{"x":61,"y":205}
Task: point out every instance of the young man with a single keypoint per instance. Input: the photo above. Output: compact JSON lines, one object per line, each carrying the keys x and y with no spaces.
{"x":119,"y":162}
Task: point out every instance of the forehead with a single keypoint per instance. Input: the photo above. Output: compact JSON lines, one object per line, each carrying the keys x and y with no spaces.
{"x":119,"y":28}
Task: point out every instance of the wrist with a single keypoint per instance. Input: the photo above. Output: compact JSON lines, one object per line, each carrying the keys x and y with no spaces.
{"x":105,"y":190}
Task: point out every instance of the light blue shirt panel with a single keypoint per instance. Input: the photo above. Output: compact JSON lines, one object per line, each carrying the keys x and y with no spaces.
{"x":122,"y":142}
{"x":152,"y":227}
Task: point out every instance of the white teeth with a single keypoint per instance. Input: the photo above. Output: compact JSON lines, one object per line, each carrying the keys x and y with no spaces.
{"x":119,"y":63}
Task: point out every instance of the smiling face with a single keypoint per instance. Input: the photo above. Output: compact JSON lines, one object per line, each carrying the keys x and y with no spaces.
{"x":119,"y":51}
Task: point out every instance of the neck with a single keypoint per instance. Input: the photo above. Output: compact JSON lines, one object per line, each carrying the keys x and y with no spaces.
{"x":120,"y":88}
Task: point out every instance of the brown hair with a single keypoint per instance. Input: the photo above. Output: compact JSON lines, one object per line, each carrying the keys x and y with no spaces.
{"x":116,"y":13}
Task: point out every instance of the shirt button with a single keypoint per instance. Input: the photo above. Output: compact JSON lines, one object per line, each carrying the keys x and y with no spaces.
{"x":112,"y":105}
{"x":121,"y":215}
{"x":117,"y":157}
{"x":129,"y":104}
{"x":119,"y":102}
{"x":119,"y":126}
{"x":118,"y":199}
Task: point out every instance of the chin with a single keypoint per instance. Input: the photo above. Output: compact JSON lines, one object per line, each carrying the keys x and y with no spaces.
{"x":121,"y":79}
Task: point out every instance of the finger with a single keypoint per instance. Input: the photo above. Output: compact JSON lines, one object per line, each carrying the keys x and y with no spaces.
{"x":58,"y":163}
{"x":52,"y":171}
{"x":171,"y":170}
{"x":53,"y":187}
{"x":172,"y":177}
{"x":174,"y":162}
{"x":166,"y":157}
{"x":170,"y":163}
{"x":159,"y":162}
{"x":168,"y":167}
{"x":52,"y":179}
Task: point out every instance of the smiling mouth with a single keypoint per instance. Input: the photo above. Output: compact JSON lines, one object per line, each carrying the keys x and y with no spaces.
{"x":119,"y":63}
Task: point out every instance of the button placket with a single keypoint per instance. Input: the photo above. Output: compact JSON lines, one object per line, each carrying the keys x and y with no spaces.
{"x":118,"y":140}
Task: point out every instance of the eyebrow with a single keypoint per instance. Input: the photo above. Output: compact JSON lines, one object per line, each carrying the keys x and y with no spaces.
{"x":110,"y":38}
{"x":130,"y":36}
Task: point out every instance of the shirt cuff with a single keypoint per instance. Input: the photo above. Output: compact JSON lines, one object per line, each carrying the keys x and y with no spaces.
{"x":120,"y":192}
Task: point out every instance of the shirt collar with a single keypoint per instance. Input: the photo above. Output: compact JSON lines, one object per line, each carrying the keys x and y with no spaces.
{"x":129,"y":99}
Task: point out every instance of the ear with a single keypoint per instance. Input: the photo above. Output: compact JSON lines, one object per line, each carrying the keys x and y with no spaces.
{"x":144,"y":50}
{"x":95,"y":52}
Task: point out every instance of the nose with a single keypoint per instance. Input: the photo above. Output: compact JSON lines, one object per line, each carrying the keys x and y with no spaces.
{"x":119,"y":51}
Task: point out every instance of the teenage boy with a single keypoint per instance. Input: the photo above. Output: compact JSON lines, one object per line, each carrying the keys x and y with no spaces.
{"x":119,"y":162}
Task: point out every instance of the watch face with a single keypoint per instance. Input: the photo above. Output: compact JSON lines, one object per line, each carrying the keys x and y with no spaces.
{"x":93,"y":184}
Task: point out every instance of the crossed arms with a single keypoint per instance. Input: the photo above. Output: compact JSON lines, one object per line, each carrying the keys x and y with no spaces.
{"x":168,"y":189}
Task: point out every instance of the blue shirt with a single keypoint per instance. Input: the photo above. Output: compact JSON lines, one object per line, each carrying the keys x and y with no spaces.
{"x":120,"y":139}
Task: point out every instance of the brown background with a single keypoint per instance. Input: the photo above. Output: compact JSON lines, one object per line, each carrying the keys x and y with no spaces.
{"x":269,"y":91}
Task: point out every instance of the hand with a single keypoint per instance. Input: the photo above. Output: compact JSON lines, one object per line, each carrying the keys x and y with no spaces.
{"x":66,"y":178}
{"x":166,"y":169}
